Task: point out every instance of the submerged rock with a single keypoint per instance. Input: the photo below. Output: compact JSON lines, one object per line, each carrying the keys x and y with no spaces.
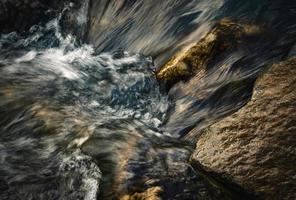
{"x":226,"y":35}
{"x":256,"y":146}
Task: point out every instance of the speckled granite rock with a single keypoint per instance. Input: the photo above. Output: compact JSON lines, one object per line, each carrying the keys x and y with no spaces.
{"x":256,"y":146}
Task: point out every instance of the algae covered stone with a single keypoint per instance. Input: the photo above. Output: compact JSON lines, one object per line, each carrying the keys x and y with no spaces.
{"x":226,"y":35}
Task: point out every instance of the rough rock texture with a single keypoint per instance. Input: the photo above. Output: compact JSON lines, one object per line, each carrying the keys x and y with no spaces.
{"x":256,"y":146}
{"x":226,"y":35}
{"x":149,"y":194}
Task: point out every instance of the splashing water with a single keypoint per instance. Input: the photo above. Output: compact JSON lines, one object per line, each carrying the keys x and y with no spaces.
{"x":74,"y":123}
{"x":81,"y":121}
{"x":56,"y":96}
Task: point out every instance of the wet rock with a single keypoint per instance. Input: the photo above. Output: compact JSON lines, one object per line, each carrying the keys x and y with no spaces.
{"x":75,"y":19}
{"x":149,"y":194}
{"x":20,"y":15}
{"x":225,"y":36}
{"x":256,"y":146}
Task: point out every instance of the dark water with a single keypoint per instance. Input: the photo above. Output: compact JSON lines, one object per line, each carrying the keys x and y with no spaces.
{"x":159,"y":29}
{"x":82,"y":116}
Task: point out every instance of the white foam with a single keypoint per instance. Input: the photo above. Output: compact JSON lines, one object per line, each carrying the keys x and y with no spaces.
{"x":27,"y":57}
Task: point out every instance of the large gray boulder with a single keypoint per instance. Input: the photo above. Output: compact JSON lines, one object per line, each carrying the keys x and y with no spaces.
{"x":256,"y":146}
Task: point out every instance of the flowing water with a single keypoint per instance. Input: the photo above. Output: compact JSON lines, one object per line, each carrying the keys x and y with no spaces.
{"x":83,"y":117}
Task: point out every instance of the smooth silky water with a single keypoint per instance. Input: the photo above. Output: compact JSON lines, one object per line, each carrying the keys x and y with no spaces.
{"x":83,"y":117}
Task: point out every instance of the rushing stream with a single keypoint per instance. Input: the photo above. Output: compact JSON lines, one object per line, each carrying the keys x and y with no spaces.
{"x":82,"y":115}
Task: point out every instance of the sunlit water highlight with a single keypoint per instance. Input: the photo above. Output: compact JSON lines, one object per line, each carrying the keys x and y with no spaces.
{"x":89,"y":121}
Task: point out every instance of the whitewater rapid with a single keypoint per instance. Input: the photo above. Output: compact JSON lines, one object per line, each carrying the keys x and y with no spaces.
{"x":82,"y":115}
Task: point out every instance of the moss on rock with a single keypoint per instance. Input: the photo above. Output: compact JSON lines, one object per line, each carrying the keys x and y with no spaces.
{"x":226,"y":35}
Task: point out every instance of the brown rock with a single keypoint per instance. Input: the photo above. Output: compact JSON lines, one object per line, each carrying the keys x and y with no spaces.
{"x":256,"y":146}
{"x":226,"y":35}
{"x":149,"y":194}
